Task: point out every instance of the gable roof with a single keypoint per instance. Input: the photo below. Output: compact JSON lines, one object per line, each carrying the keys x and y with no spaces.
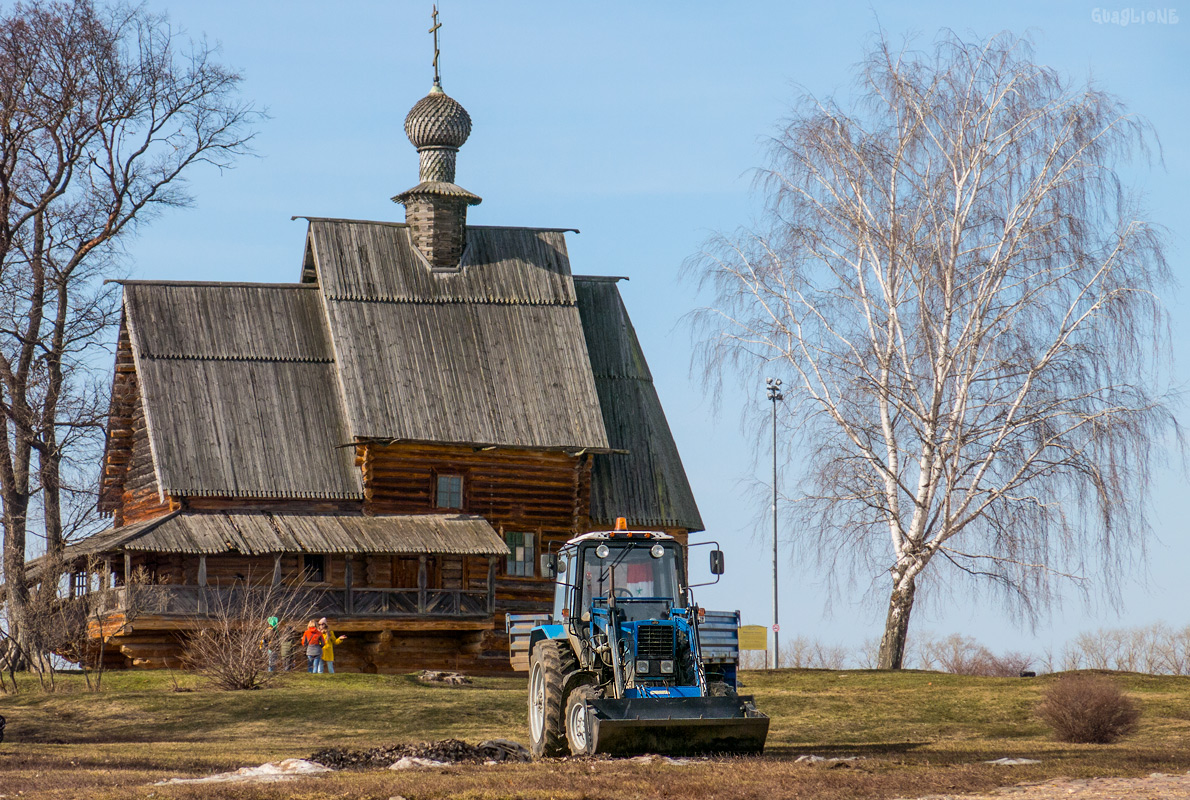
{"x":259,"y":390}
{"x":644,"y":480}
{"x":240,"y":390}
{"x":490,"y":354}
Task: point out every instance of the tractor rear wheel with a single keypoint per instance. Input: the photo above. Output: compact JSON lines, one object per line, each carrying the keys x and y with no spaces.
{"x":551,"y":661}
{"x":579,"y":735}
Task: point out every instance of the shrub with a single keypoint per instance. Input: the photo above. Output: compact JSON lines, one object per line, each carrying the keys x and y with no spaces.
{"x":234,"y":647}
{"x":1089,"y":709}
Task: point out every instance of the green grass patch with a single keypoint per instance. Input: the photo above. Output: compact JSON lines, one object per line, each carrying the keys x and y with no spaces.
{"x":917,"y":733}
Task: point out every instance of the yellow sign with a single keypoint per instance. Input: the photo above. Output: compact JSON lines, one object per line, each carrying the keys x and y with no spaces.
{"x":754,"y":637}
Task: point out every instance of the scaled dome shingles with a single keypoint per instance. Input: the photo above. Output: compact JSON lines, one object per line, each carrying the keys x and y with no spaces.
{"x":438,"y":120}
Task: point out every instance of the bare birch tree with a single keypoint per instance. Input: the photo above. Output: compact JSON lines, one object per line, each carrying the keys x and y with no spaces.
{"x":967,"y":296}
{"x":103,"y":111}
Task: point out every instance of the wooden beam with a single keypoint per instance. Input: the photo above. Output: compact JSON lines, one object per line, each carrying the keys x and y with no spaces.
{"x":421,"y":584}
{"x":491,"y":584}
{"x":277,"y":569}
{"x":154,"y":624}
{"x":202,"y":569}
{"x":348,"y":581}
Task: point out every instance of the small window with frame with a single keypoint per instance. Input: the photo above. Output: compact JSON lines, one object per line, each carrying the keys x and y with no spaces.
{"x":522,"y":551}
{"x":449,"y":492}
{"x":80,"y":583}
{"x":314,"y":567}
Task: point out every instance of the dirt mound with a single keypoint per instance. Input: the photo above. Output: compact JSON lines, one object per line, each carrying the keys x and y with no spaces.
{"x":451,"y":751}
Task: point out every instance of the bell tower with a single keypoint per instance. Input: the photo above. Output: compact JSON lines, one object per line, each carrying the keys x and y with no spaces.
{"x":436,"y":209}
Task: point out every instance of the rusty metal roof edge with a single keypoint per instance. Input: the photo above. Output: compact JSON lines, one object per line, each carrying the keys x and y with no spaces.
{"x":265,"y":359}
{"x":410,"y":300}
{"x":246,"y":495}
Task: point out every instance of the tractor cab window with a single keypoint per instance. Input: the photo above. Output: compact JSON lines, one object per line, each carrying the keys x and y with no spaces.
{"x":562,"y":587}
{"x":642,"y":575}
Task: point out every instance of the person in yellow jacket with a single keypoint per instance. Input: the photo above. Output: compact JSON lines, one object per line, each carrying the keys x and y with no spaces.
{"x":328,"y":648}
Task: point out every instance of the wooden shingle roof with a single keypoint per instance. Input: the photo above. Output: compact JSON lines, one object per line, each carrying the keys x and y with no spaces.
{"x":644,"y":480}
{"x":260,"y":533}
{"x":492,"y":354}
{"x":240,"y":390}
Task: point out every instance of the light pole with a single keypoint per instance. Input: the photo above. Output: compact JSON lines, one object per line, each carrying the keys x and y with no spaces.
{"x":774,"y":390}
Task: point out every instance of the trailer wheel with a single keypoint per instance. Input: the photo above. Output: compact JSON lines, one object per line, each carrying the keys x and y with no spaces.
{"x":546,"y":671}
{"x":578,"y":730}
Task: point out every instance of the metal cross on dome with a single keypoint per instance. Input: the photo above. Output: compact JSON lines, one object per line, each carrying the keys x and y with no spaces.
{"x":434,"y":30}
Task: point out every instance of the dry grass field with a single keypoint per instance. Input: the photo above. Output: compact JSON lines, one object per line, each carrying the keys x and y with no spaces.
{"x":915,"y":733}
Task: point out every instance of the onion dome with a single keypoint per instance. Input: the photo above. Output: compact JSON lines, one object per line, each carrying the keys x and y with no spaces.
{"x":438,"y":120}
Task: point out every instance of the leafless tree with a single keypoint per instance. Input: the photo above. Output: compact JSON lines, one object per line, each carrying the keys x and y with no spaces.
{"x":968,"y":299}
{"x":234,"y":646}
{"x":805,"y":653}
{"x":103,"y":111}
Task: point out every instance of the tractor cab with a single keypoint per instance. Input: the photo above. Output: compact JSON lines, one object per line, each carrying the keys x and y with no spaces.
{"x":641,"y":574}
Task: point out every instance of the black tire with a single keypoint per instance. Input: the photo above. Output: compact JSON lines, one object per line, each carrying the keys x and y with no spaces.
{"x":549,"y":664}
{"x":578,"y":731}
{"x":720,"y":689}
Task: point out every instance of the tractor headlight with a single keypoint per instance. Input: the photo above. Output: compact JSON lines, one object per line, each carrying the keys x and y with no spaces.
{"x":602,"y":551}
{"x":657,"y":551}
{"x":667,"y":667}
{"x":642,"y":666}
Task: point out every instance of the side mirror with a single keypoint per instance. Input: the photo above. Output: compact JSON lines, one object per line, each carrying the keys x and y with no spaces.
{"x":716,"y":562}
{"x":549,"y":565}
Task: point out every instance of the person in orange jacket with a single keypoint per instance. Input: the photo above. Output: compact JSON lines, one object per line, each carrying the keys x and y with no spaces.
{"x":313,"y":640}
{"x":329,"y":640}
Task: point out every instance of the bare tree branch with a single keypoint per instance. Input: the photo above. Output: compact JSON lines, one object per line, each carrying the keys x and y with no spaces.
{"x":103,"y":113}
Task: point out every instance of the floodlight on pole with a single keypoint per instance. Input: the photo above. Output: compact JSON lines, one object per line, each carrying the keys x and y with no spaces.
{"x":774,"y":394}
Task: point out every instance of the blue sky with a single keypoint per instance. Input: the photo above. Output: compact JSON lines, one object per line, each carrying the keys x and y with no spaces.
{"x":640,"y":124}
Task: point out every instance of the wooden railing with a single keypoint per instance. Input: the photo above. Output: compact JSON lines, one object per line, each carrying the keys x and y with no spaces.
{"x":380,"y":603}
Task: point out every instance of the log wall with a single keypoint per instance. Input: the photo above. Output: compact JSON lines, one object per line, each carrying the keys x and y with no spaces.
{"x":544,"y":493}
{"x":129,"y":486}
{"x":375,"y":651}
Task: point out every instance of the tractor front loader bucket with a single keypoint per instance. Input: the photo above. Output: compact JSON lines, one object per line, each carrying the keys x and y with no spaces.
{"x":677,"y":726}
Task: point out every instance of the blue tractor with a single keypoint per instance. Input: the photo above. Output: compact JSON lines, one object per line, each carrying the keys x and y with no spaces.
{"x":619,"y":667}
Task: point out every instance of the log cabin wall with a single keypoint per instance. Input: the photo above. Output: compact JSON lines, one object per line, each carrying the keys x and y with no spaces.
{"x":241,"y":505}
{"x":118,"y":452}
{"x":141,"y":498}
{"x":543,"y":489}
{"x":129,"y":483}
{"x":544,"y":493}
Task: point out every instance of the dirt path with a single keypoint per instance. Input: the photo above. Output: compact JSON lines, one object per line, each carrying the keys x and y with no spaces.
{"x":1155,"y":787}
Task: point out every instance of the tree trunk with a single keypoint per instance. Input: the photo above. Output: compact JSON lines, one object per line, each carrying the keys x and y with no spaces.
{"x":16,"y":583}
{"x":896,"y":625}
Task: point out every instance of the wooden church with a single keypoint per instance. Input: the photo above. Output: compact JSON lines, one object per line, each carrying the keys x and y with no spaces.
{"x":405,"y":429}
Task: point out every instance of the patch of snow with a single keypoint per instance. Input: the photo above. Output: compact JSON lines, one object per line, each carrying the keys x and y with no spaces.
{"x":289,"y":769}
{"x":408,"y":762}
{"x":1012,"y":762}
{"x":823,"y":760}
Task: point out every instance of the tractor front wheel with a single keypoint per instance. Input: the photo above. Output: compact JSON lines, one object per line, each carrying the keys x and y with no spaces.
{"x":547,"y":668}
{"x":578,"y":728}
